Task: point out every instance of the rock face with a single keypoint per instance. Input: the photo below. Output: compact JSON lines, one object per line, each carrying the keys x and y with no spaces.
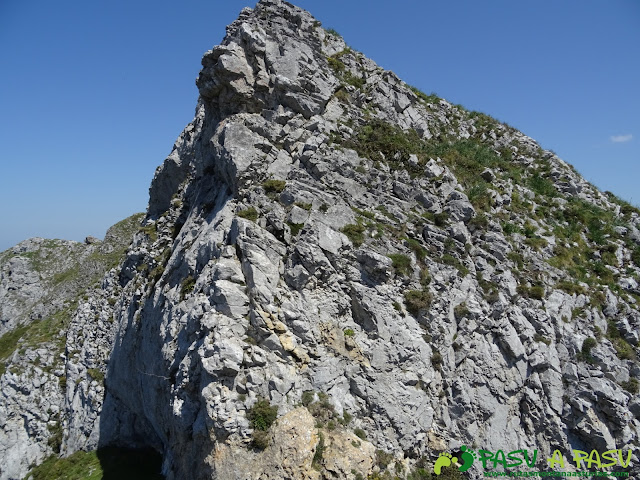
{"x":43,"y":284}
{"x":368,"y":259}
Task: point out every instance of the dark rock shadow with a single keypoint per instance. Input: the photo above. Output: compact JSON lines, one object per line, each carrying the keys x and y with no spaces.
{"x":129,"y":464}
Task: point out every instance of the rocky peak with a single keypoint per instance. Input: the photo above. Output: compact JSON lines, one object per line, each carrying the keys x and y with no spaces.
{"x":340,"y":276}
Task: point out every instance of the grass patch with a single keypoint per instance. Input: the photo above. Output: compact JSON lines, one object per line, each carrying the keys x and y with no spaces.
{"x":570,"y":287}
{"x":151,"y":231}
{"x":431,"y":98}
{"x":536,"y":243}
{"x":9,"y":343}
{"x":107,"y":464}
{"x":539,"y":338}
{"x":248,"y":214}
{"x":623,"y":349}
{"x":319,"y":453}
{"x":417,"y":249}
{"x":360,"y":433}
{"x":274,"y":186}
{"x":355,"y":233}
{"x":535,"y":291}
{"x":401,"y":263}
{"x":449,"y":259}
{"x":542,"y":186}
{"x":96,"y":374}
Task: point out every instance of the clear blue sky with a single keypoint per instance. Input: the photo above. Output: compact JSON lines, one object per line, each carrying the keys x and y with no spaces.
{"x":93,"y":94}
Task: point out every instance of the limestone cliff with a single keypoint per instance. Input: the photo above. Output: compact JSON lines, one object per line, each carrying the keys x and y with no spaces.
{"x":396,"y":275}
{"x":42,"y":285}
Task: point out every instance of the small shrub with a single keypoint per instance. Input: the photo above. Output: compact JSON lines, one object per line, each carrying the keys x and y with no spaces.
{"x":303,"y":205}
{"x":479,"y":222}
{"x":353,"y":80}
{"x":441,"y":219}
{"x":624,"y":351}
{"x":260,"y":439}
{"x":539,"y":338}
{"x":295,"y":228}
{"x":249,"y":214}
{"x":383,"y":459}
{"x":156,"y":273}
{"x":436,"y":359}
{"x":479,"y":197}
{"x":365,"y":213}
{"x":585,"y":351}
{"x":401,"y":263}
{"x":9,"y":343}
{"x":537,"y":292}
{"x":322,"y":410}
{"x":188,"y":284}
{"x":517,"y":259}
{"x":597,"y":332}
{"x":448,"y":259}
{"x":509,"y":228}
{"x":417,"y":300}
{"x":349,"y":332}
{"x":55,"y":439}
{"x":262,"y":415}
{"x":461,"y":310}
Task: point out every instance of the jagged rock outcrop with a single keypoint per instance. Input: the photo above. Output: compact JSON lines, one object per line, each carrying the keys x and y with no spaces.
{"x":42,"y":283}
{"x":368,"y":259}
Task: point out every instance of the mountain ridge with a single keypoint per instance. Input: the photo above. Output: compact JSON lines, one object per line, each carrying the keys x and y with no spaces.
{"x":328,"y":241}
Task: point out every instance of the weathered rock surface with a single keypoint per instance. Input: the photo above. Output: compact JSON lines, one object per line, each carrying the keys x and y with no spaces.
{"x":433,"y":277}
{"x":43,"y":285}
